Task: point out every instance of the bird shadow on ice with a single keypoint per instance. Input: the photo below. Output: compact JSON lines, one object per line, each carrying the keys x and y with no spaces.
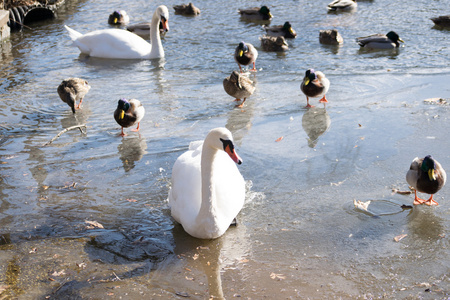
{"x":315,"y":122}
{"x":131,"y":150}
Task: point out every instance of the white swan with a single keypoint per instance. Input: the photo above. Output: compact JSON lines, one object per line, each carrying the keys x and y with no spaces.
{"x":122,"y":44}
{"x":208,"y":191}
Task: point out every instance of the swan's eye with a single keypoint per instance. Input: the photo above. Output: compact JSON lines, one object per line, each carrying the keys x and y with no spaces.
{"x":163,"y":19}
{"x":227,"y":143}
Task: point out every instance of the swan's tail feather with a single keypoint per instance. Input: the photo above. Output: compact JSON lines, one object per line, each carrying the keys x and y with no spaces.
{"x":72,"y":33}
{"x":74,"y":36}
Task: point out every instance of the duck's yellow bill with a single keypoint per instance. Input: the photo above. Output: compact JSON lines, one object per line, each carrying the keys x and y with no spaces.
{"x":431,"y":174}
{"x":122,"y":114}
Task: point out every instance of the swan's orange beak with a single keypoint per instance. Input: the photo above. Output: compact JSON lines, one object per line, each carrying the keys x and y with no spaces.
{"x":233,"y":155}
{"x":165,"y":24}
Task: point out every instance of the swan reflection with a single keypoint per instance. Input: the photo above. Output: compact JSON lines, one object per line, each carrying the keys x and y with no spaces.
{"x":210,"y":258}
{"x":131,"y":150}
{"x":315,"y":122}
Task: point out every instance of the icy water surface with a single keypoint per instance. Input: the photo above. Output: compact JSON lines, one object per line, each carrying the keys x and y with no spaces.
{"x":87,"y":216}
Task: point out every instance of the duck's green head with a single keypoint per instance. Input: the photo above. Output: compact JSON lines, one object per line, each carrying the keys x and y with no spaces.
{"x":265,"y":11}
{"x":288,"y":27}
{"x":123,"y":105}
{"x":116,"y":16}
{"x":242,"y":48}
{"x":310,"y":75}
{"x":429,"y":166}
{"x":393,"y":36}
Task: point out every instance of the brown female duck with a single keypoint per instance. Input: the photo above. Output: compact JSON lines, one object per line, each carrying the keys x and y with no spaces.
{"x":238,"y":86}
{"x":73,"y":89}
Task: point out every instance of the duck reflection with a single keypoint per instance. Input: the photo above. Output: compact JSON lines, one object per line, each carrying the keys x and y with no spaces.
{"x":239,"y":121}
{"x":315,"y":122}
{"x":80,"y":117}
{"x":332,"y":48}
{"x":379,"y":53}
{"x":131,"y":150}
{"x":69,"y":119}
{"x":425,"y":225}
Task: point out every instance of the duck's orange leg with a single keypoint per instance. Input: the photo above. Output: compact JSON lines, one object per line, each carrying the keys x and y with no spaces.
{"x":242,"y":104}
{"x":417,"y":200}
{"x":323,"y":100}
{"x":137,"y":128}
{"x":307,"y":103}
{"x":123,"y":133}
{"x":254,"y":68}
{"x":431,"y":201}
{"x":79,"y":104}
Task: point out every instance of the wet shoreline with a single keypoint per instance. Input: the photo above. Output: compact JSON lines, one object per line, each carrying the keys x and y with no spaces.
{"x":86,"y":217}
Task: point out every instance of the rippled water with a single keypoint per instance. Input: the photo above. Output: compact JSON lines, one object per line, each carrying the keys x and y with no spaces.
{"x":299,"y":235}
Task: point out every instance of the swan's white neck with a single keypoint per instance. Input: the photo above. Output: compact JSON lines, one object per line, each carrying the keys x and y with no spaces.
{"x":207,"y":213}
{"x":155,"y":38}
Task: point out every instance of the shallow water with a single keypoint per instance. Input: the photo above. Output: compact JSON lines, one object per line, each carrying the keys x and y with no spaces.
{"x":299,"y":235}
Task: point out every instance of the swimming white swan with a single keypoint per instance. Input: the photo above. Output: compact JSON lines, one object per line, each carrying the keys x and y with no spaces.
{"x":122,"y":44}
{"x":208,"y":191}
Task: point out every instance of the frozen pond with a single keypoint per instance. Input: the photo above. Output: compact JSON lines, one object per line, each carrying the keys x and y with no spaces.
{"x":87,"y":216}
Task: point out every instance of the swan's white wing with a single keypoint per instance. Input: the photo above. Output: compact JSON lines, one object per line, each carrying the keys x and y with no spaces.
{"x":185,"y":193}
{"x":196,"y":145}
{"x":113,"y":43}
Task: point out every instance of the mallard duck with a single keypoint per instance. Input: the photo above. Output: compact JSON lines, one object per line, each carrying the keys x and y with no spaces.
{"x":186,"y":9}
{"x":143,"y":29}
{"x":256,"y":13}
{"x":380,"y":41}
{"x":315,"y":85}
{"x":118,"y":17}
{"x":207,"y":191}
{"x":285,"y":30}
{"x":426,"y":175}
{"x":443,"y":21}
{"x":129,"y":113}
{"x":246,"y":54}
{"x":342,"y":5}
{"x":122,"y":44}
{"x":238,"y":86}
{"x":330,"y":37}
{"x":272,"y":43}
{"x":73,"y":89}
